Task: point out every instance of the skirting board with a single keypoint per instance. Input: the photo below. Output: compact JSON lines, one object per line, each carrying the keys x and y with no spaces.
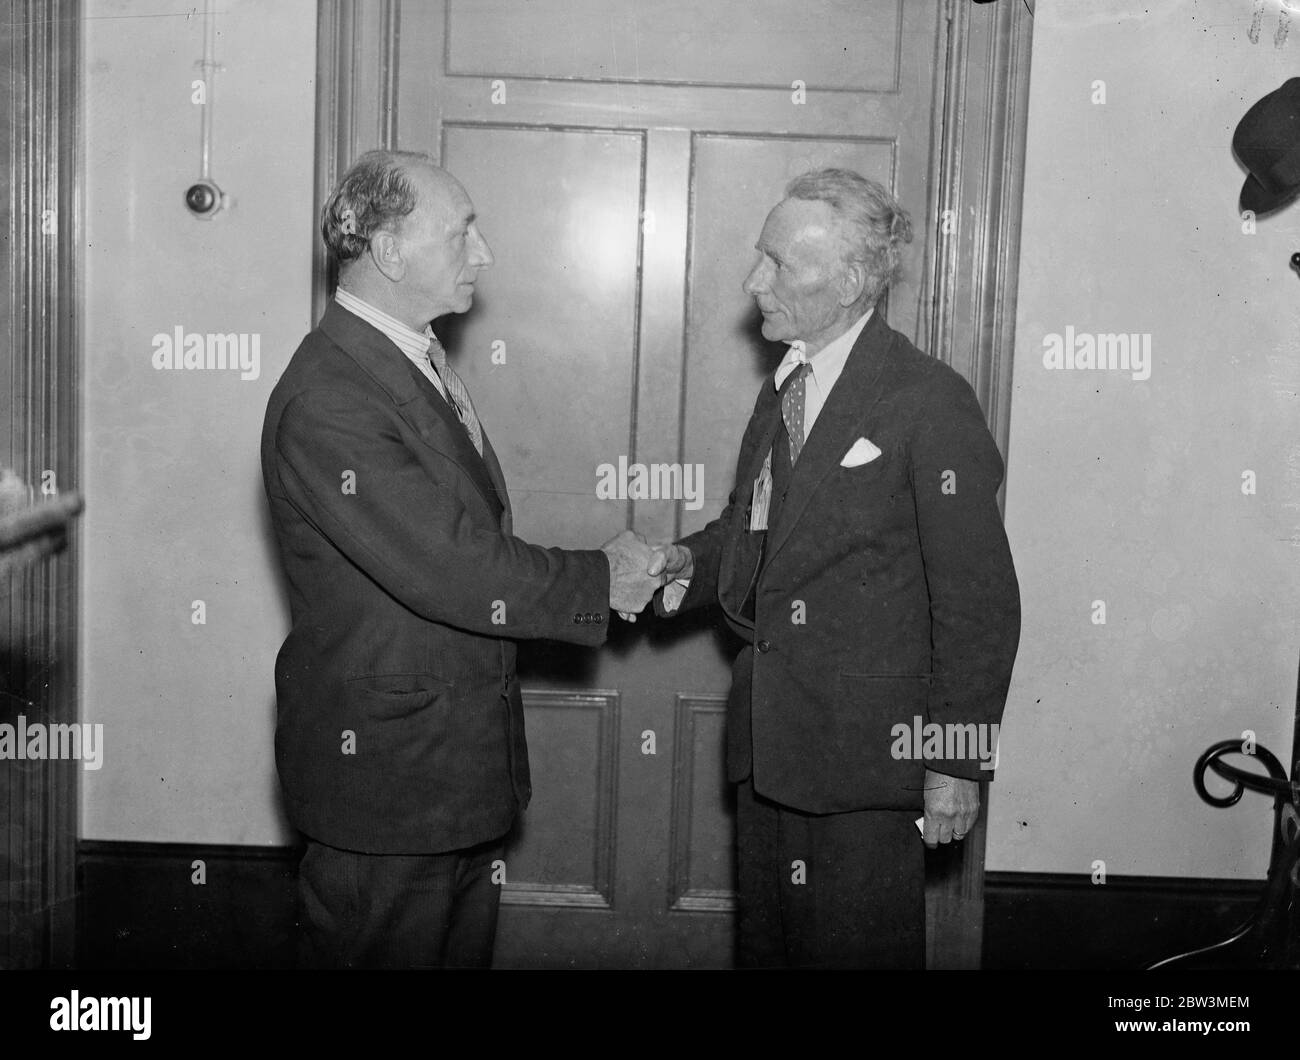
{"x":142,"y":905}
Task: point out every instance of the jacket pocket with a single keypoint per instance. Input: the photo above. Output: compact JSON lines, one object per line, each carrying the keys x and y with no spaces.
{"x":402,"y":721}
{"x":391,"y":697}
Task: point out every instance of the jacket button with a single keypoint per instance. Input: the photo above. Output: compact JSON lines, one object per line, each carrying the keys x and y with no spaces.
{"x":763,"y":646}
{"x":577,"y":617}
{"x":599,"y":618}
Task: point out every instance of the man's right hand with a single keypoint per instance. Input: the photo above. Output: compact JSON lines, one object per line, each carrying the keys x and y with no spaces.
{"x":630,"y":584}
{"x":672,"y":561}
{"x":676,"y":564}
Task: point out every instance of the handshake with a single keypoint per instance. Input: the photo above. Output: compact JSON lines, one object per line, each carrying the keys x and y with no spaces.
{"x":637,"y":569}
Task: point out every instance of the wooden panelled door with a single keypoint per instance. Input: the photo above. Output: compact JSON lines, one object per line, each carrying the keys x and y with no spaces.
{"x":622,"y":156}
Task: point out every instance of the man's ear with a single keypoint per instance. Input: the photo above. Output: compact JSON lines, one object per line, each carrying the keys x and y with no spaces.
{"x":386,"y":253}
{"x":854,"y":281}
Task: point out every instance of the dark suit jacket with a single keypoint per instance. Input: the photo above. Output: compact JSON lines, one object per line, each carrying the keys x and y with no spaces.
{"x":400,"y":726}
{"x":907,"y":593}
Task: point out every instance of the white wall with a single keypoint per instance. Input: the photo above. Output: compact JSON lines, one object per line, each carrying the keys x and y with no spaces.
{"x":1128,"y":491}
{"x":174,"y":505}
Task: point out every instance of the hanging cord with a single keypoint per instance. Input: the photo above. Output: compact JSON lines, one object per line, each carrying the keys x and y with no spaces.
{"x":203,"y":198}
{"x":208,"y":66}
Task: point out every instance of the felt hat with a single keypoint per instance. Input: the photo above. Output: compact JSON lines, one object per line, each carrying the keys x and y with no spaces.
{"x":1267,"y":143}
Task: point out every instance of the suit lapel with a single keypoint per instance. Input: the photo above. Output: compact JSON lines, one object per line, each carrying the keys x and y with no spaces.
{"x":498,"y":482}
{"x":457,"y":438}
{"x":838,"y":425}
{"x":418,"y":400}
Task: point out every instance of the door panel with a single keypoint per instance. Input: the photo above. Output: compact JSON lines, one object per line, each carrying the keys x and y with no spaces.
{"x":562,"y":852}
{"x":703,"y":867}
{"x":549,"y":352}
{"x":828,"y":44}
{"x":622,"y":156}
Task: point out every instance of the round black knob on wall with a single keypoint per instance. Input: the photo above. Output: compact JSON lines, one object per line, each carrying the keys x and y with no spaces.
{"x":203,"y":199}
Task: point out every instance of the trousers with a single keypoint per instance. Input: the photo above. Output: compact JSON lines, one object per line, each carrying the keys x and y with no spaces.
{"x":839,"y":890}
{"x":397,"y":910}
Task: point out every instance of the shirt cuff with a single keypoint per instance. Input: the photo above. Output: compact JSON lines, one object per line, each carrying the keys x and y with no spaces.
{"x":674,"y":592}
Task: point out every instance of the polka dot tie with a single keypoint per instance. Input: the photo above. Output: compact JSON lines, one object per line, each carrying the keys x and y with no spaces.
{"x":457,"y":392}
{"x":792,"y":402}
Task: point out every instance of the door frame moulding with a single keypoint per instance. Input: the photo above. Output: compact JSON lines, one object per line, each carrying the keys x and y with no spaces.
{"x":980,"y":132}
{"x":40,"y":623}
{"x":356,"y":103}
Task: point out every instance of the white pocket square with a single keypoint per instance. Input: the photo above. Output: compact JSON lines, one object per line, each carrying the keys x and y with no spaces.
{"x":860,"y":452}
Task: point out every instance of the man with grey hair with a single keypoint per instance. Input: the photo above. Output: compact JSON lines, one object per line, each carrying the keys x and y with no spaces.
{"x":400,"y":730}
{"x":861,"y":557}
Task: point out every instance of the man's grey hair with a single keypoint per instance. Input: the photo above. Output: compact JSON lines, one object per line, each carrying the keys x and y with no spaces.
{"x":374,"y":195}
{"x":874,"y":225}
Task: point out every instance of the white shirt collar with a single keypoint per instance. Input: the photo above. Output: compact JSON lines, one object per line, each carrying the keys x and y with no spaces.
{"x":828,"y":362}
{"x":411,"y":343}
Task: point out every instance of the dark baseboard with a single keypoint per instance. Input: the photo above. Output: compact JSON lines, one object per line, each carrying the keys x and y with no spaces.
{"x":139,"y":907}
{"x":1036,"y":921}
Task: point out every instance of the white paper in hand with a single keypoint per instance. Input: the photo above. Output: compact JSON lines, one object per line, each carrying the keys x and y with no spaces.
{"x":674,"y":592}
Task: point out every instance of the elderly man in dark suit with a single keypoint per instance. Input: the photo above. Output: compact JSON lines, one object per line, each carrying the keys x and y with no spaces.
{"x":400,"y":730}
{"x":861,"y":556}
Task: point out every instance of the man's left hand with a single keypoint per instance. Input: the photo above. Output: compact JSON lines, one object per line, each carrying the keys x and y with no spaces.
{"x":951,"y":807}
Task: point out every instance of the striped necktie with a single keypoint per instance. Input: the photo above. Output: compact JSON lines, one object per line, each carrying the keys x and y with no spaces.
{"x":457,"y":392}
